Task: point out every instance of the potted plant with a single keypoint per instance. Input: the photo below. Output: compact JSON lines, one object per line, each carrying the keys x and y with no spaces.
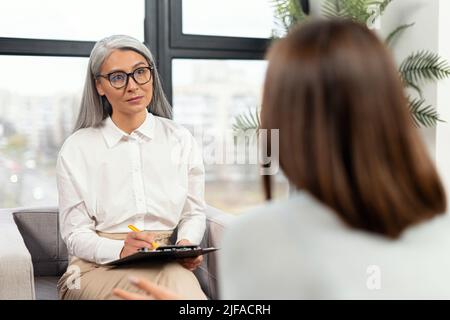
{"x":415,"y":70}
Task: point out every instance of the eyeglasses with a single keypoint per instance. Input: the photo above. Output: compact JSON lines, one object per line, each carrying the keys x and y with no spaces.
{"x":119,"y":79}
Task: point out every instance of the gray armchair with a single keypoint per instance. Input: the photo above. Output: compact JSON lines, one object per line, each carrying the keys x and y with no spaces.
{"x":33,"y":255}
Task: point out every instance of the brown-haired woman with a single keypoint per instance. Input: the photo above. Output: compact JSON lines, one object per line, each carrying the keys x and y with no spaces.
{"x":364,"y":221}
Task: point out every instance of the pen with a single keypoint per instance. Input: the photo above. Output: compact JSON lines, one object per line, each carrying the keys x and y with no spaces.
{"x":133,"y":228}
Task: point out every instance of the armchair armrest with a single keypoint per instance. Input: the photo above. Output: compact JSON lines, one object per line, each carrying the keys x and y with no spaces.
{"x":16,"y":267}
{"x":216,"y":222}
{"x":40,"y":231}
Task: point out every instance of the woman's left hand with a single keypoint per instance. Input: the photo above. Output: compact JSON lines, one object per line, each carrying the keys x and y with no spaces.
{"x":189,"y":263}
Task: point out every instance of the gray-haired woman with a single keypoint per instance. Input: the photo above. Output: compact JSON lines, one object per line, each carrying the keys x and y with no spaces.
{"x":122,"y":167}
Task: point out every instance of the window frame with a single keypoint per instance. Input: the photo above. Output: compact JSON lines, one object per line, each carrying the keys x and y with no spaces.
{"x":171,"y":43}
{"x":162,"y":35}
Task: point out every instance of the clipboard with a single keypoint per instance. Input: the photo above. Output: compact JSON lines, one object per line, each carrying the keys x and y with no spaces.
{"x":161,"y":254}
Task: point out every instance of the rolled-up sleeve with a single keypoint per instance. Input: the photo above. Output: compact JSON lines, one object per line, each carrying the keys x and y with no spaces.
{"x":193,"y":220}
{"x":76,"y":225}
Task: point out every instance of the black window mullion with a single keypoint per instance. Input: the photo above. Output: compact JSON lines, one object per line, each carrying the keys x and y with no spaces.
{"x":156,"y":35}
{"x":42,"y":47}
{"x":151,"y":27}
{"x":219,"y":43}
{"x":163,"y":47}
{"x":215,"y":54}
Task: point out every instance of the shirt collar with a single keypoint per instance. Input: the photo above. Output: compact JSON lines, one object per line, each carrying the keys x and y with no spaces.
{"x":114,"y":134}
{"x":147,"y":127}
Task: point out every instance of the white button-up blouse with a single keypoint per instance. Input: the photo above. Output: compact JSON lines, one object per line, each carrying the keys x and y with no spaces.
{"x":107,"y":179}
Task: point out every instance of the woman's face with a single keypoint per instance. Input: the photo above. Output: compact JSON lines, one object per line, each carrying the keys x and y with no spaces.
{"x":133,"y":97}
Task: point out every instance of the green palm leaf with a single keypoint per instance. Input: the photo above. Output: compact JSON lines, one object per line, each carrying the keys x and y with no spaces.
{"x":424,"y":66}
{"x":356,"y":10}
{"x":383,"y":5}
{"x":423,"y":114}
{"x":287,"y":14}
{"x":394,"y":34}
{"x":334,"y":9}
{"x":247,"y":121}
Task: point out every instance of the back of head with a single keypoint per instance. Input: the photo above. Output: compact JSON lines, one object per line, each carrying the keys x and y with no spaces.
{"x":346,"y":135}
{"x":95,"y":108}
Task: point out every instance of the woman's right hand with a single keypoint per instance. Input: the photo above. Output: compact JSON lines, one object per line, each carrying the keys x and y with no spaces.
{"x":134,"y":241}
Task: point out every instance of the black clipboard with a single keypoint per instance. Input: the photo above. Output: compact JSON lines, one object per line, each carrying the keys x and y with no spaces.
{"x":162,"y":254}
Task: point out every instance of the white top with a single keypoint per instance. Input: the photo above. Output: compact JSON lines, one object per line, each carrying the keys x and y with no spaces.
{"x":300,"y":249}
{"x":107,"y":179}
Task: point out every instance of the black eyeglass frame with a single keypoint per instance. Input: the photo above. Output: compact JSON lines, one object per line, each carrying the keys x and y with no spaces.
{"x":128,"y":75}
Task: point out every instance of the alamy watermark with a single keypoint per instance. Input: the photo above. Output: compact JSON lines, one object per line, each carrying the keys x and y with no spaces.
{"x":231,"y":147}
{"x":374,"y":11}
{"x":373,"y":281}
{"x":73,"y":281}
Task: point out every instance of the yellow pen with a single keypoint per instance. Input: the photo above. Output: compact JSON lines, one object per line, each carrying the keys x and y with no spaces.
{"x":133,"y":228}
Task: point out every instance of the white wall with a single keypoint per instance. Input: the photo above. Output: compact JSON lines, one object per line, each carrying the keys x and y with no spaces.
{"x":443,"y":97}
{"x":423,"y":35}
{"x":431,"y":32}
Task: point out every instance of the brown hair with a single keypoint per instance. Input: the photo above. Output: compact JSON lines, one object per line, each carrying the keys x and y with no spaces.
{"x":346,"y":135}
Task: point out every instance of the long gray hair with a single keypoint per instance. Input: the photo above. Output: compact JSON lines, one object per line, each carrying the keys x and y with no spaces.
{"x":95,"y":108}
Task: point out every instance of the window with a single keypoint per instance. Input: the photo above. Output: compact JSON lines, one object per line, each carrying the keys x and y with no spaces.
{"x":38,"y":106}
{"x":207,"y":96}
{"x":236,"y":18}
{"x":35,"y":117}
{"x":71,"y":20}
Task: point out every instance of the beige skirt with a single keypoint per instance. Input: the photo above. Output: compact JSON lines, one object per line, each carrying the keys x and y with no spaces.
{"x":85,"y":280}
